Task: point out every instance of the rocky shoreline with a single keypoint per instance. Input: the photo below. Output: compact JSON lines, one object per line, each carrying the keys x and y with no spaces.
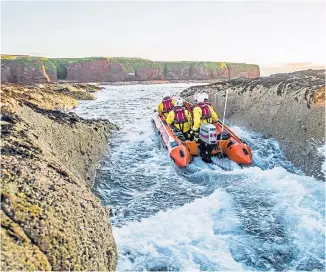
{"x":50,"y":219}
{"x":289,"y":107}
{"x":117,"y":83}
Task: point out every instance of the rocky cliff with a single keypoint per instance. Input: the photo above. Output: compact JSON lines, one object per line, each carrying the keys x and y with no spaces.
{"x":288,"y":107}
{"x":25,"y":69}
{"x":50,"y":219}
{"x":100,"y":69}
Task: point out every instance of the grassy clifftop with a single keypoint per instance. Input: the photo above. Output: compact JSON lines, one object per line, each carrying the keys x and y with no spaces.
{"x":24,"y":60}
{"x":213,"y":66}
{"x":59,"y":65}
{"x":132,"y":64}
{"x":30,"y":61}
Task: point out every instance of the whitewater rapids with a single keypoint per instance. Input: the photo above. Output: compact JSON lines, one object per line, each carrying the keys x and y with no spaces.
{"x":268,"y":217}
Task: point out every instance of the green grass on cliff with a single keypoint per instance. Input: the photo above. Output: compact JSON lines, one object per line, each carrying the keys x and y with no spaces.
{"x":8,"y":57}
{"x":27,"y":61}
{"x":215,"y":66}
{"x":132,"y":64}
{"x":48,"y":65}
{"x":31,"y":62}
{"x":59,"y":65}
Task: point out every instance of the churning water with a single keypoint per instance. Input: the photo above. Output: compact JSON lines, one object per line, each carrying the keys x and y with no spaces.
{"x":268,"y":217}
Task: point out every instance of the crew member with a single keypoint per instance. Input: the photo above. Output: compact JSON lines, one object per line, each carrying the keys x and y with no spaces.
{"x":180,"y":118}
{"x":166,"y":105}
{"x":203,"y":113}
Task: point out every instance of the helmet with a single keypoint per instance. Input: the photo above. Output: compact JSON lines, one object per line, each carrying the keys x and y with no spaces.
{"x":166,"y":94}
{"x":205,"y":96}
{"x":178,"y":102}
{"x":199,"y":97}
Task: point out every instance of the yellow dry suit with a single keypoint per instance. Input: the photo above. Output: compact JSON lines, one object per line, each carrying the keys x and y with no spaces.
{"x":203,"y":114}
{"x":180,"y":118}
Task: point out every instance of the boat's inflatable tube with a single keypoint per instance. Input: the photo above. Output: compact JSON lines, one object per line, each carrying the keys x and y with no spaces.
{"x":229,"y":145}
{"x":178,"y":152}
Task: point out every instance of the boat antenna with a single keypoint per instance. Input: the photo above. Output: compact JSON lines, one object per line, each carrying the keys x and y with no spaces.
{"x":215,"y":99}
{"x":226,"y":101}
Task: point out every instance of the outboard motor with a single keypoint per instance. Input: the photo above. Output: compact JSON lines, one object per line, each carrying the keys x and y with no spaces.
{"x":207,"y":141}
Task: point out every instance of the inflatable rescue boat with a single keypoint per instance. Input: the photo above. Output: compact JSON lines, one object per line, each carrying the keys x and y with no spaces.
{"x":214,"y":140}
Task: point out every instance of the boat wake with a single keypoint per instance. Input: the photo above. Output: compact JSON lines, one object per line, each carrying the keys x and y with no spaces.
{"x":270,"y":216}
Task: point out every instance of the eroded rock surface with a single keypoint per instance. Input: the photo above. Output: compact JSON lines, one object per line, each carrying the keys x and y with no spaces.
{"x":50,"y":219}
{"x":288,"y":107}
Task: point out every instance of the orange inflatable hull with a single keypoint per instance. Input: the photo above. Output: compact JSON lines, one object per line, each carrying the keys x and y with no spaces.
{"x":178,"y":152}
{"x":181,"y":152}
{"x":233,"y":148}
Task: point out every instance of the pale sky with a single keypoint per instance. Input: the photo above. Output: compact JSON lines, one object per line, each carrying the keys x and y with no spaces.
{"x":254,"y":32}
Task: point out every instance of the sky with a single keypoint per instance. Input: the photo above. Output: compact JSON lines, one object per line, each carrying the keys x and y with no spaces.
{"x":265,"y":33}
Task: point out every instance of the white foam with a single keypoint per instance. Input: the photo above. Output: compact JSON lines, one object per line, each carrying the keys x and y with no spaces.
{"x":184,"y":237}
{"x":322,"y":151}
{"x":198,"y":236}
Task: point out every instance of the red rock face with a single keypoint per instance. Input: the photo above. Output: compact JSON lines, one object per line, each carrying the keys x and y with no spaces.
{"x":145,"y":73}
{"x":89,"y":71}
{"x":178,"y":72}
{"x":254,"y":73}
{"x":101,"y":70}
{"x":238,"y":70}
{"x":199,"y":73}
{"x":194,"y":72}
{"x":6,"y":74}
{"x":116,"y":72}
{"x":23,"y":72}
{"x":223,"y":74}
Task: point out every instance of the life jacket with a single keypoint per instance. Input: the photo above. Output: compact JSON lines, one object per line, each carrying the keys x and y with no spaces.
{"x":206,"y":112}
{"x":167,"y":104}
{"x":180,"y":115}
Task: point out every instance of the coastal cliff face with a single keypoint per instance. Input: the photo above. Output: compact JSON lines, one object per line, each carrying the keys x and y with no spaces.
{"x":239,"y":70}
{"x":50,"y":219}
{"x":25,"y":69}
{"x":288,"y":107}
{"x":88,"y":71}
{"x":23,"y":72}
{"x":123,"y":69}
{"x":194,"y":70}
{"x":100,"y":69}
